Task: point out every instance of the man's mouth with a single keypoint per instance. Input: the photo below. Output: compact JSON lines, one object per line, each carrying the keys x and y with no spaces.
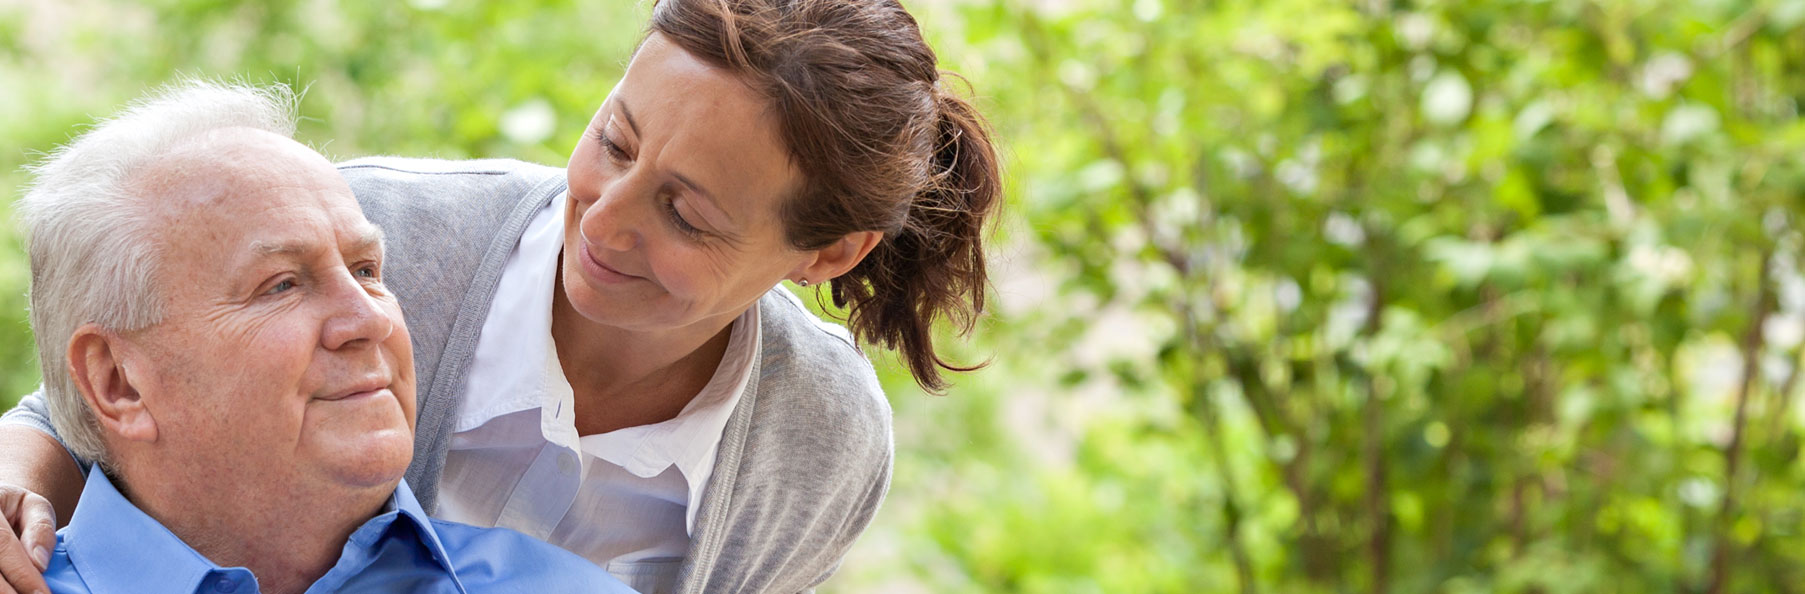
{"x":363,"y":389}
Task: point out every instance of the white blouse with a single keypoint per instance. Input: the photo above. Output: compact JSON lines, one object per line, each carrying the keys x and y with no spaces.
{"x":625,"y":499}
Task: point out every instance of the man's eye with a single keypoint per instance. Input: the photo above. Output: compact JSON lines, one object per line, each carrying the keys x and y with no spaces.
{"x":281,"y":287}
{"x":366,"y":272}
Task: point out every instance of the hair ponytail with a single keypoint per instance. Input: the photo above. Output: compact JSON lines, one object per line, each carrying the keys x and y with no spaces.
{"x":934,"y":267}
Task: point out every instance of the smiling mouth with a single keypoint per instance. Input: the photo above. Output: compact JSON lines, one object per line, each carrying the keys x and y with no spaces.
{"x":363,"y":390}
{"x":600,"y":271}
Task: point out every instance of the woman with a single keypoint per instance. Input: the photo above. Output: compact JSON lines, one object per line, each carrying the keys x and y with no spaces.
{"x":605,"y":359}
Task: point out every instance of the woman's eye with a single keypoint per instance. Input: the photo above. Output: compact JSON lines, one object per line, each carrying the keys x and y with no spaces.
{"x":281,"y":287}
{"x":670,"y":210}
{"x":366,"y":272}
{"x":615,"y":152}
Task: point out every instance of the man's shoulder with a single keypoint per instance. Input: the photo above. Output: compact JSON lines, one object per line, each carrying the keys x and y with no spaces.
{"x":500,"y":559}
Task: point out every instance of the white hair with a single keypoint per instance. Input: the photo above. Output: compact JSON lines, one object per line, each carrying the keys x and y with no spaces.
{"x":90,"y":233}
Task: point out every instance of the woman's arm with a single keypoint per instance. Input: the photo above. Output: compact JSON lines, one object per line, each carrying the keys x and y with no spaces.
{"x":35,"y":457}
{"x":37,"y":477}
{"x":37,"y":463}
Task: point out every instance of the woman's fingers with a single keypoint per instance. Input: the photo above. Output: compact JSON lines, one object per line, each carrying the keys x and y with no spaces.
{"x":22,"y":576}
{"x":25,"y":546}
{"x":39,"y":535}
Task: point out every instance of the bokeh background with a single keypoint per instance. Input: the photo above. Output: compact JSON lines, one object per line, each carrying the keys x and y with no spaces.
{"x":1291,"y":295}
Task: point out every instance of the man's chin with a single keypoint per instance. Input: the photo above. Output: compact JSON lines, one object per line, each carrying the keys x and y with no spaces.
{"x":369,"y":461}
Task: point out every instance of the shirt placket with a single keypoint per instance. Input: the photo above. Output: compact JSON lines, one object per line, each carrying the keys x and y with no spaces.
{"x":555,"y":474}
{"x":233,"y":580}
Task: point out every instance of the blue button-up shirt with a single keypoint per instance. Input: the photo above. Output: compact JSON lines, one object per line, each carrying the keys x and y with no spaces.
{"x":110,"y":546}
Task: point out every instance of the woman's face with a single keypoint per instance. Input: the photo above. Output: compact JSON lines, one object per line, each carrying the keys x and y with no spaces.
{"x":672,"y":220}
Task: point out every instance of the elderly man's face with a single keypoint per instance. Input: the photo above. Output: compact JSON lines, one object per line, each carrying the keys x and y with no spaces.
{"x":282,"y":359}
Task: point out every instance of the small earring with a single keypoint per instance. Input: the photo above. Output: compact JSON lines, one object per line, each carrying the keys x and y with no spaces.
{"x":803,"y":282}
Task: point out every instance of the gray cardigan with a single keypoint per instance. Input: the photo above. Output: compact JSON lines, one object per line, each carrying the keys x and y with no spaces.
{"x":805,"y":458}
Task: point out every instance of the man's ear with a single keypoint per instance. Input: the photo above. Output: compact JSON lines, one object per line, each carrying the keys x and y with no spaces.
{"x":97,"y":363}
{"x":838,"y":257}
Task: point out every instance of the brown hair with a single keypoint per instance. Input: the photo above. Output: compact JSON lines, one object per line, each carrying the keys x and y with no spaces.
{"x":883,"y":145}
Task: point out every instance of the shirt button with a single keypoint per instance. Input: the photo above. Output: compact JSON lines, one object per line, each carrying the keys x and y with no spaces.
{"x":226,"y":585}
{"x":567,"y":463}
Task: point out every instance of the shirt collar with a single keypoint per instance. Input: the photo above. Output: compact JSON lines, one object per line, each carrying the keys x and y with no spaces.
{"x":519,"y":316}
{"x":404,"y":505}
{"x":105,"y":522}
{"x":400,"y":516}
{"x":690,"y":440}
{"x":116,"y":547}
{"x":697,"y":434}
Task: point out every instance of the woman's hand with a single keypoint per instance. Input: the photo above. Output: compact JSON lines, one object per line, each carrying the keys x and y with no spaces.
{"x":25,"y":547}
{"x":37,"y":477}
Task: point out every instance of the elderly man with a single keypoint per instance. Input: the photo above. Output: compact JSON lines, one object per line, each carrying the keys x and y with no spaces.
{"x":214,"y":332}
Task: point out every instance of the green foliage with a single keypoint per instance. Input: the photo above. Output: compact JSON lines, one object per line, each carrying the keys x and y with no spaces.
{"x":1442,"y":297}
{"x":1293,"y":295}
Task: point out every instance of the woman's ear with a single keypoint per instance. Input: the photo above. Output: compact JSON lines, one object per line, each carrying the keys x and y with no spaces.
{"x":838,"y":257}
{"x":96,"y":362}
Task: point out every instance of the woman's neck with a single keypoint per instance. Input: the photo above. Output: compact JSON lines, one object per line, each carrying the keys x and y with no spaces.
{"x":624,"y":378}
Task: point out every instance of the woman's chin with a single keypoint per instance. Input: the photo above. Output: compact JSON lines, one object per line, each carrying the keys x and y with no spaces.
{"x":601,"y":304}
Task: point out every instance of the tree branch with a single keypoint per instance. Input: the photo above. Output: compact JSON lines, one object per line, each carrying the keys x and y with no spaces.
{"x":1377,"y":496}
{"x":1752,"y":343}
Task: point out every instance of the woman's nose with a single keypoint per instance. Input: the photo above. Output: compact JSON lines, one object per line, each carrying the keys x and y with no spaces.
{"x":611,"y":222}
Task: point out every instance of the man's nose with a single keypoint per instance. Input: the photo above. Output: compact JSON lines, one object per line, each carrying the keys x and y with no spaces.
{"x":356,"y":317}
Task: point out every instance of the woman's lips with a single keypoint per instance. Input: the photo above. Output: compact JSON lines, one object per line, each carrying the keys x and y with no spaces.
{"x":596,"y":270}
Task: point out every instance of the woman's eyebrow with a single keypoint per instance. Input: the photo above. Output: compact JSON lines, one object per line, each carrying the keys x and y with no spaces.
{"x":686,"y":180}
{"x":705,"y":194}
{"x":631,"y":125}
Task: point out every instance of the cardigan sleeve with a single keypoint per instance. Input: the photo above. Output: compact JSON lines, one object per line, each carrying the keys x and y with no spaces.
{"x":34,"y":412}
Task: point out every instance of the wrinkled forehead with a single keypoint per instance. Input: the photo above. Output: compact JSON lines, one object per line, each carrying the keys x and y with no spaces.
{"x":233,"y":197}
{"x":207,"y":168}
